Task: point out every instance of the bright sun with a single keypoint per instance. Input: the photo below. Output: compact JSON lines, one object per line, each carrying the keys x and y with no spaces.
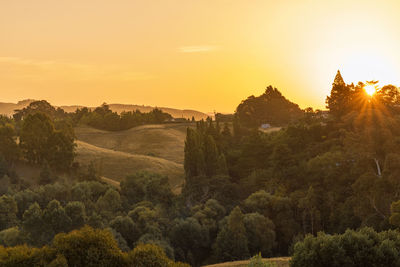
{"x":370,"y":89}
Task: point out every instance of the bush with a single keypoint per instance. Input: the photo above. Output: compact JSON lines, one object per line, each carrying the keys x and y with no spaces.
{"x":89,"y":247}
{"x":364,"y":247}
{"x":149,"y":255}
{"x":257,"y":261}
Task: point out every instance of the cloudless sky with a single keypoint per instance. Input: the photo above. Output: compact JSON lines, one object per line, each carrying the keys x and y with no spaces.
{"x":200,"y":54}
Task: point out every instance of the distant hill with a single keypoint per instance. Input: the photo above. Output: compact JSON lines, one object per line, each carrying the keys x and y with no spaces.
{"x":8,"y":109}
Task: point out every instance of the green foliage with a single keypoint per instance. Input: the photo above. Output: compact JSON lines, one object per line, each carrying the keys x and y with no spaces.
{"x":339,"y":100}
{"x":41,"y":142}
{"x":11,"y":237}
{"x":8,"y":211}
{"x":89,"y":247}
{"x":8,"y":147}
{"x":271,"y":107}
{"x":55,"y":218}
{"x":191,"y":238}
{"x":260,"y":233}
{"x":257,"y":261}
{"x":109,"y":204}
{"x":127,"y":228}
{"x":353,"y":248}
{"x":24,"y":256}
{"x":147,"y":186}
{"x":231,"y":242}
{"x":395,"y":214}
{"x":148,"y":255}
{"x":104,"y":118}
{"x":76,"y":211}
{"x":279,"y":210}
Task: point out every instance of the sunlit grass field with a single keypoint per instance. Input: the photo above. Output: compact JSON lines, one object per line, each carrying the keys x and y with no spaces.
{"x":155,"y":148}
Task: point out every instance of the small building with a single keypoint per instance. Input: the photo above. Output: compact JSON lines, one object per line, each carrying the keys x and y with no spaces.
{"x":265,"y":126}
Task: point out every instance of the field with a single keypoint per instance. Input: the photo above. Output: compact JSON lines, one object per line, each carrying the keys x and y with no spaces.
{"x":275,"y":262}
{"x":156,"y":148}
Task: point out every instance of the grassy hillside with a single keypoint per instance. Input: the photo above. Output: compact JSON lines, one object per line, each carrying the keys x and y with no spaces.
{"x":276,"y":262}
{"x":155,"y":148}
{"x":116,"y":164}
{"x":165,"y":141}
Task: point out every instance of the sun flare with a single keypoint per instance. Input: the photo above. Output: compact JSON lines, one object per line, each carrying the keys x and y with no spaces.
{"x":370,"y":89}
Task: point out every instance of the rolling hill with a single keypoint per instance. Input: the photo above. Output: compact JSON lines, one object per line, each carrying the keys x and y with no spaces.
{"x":156,"y":148}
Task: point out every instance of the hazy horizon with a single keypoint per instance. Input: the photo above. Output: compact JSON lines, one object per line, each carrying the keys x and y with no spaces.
{"x":205,"y":56}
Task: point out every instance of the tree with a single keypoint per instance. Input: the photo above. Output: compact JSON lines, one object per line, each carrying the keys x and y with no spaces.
{"x":395,"y":214}
{"x":8,"y":212}
{"x":280,"y":211}
{"x":127,"y":228}
{"x":191,"y":238}
{"x":260,"y":233}
{"x":11,"y":237}
{"x":75,"y":210}
{"x":46,"y":176}
{"x":211,"y":156}
{"x":194,"y":163}
{"x":8,"y":147}
{"x":271,"y":107}
{"x":40,"y":142}
{"x":147,"y":186}
{"x":364,"y":247}
{"x":109,"y":204}
{"x":33,"y":225}
{"x":145,"y":255}
{"x":231,"y":242}
{"x":35,"y":133}
{"x":55,"y":218}
{"x":339,"y":100}
{"x":89,"y":247}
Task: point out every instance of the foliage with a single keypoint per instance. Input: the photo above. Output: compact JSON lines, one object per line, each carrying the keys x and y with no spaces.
{"x":271,"y":107}
{"x":104,"y":118}
{"x":257,"y":261}
{"x":41,"y":142}
{"x":89,"y":247}
{"x":146,"y":255}
{"x":232,"y":243}
{"x":364,"y":247}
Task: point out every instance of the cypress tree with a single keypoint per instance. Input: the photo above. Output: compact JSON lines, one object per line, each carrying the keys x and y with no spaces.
{"x":338,"y":102}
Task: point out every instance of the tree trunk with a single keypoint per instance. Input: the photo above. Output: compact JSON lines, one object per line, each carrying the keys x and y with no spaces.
{"x":378,"y":168}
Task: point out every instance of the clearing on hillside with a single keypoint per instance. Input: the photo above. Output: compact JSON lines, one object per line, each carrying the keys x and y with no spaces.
{"x":153,"y":148}
{"x":164,"y":141}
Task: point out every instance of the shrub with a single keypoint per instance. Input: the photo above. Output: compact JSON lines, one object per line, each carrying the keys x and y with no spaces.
{"x":364,"y":247}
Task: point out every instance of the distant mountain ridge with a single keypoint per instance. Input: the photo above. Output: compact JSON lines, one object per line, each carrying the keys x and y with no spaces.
{"x":8,"y":109}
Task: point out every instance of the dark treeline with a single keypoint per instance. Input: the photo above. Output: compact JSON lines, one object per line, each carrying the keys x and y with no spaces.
{"x":104,"y":118}
{"x":101,"y":117}
{"x":245,"y":191}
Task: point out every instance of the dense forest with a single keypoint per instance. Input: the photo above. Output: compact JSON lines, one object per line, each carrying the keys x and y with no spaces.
{"x":324,"y":188}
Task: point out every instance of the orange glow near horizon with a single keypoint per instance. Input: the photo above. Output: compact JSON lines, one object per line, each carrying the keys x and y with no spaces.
{"x":205,"y":55}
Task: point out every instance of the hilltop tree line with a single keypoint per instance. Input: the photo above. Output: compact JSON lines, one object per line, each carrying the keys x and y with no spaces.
{"x":104,"y":118}
{"x":101,"y":117}
{"x":245,"y":192}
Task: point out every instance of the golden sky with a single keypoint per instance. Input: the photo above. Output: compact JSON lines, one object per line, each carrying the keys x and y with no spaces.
{"x":199,"y":54}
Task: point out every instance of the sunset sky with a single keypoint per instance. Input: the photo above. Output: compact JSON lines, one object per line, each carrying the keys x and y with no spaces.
{"x":199,"y":54}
